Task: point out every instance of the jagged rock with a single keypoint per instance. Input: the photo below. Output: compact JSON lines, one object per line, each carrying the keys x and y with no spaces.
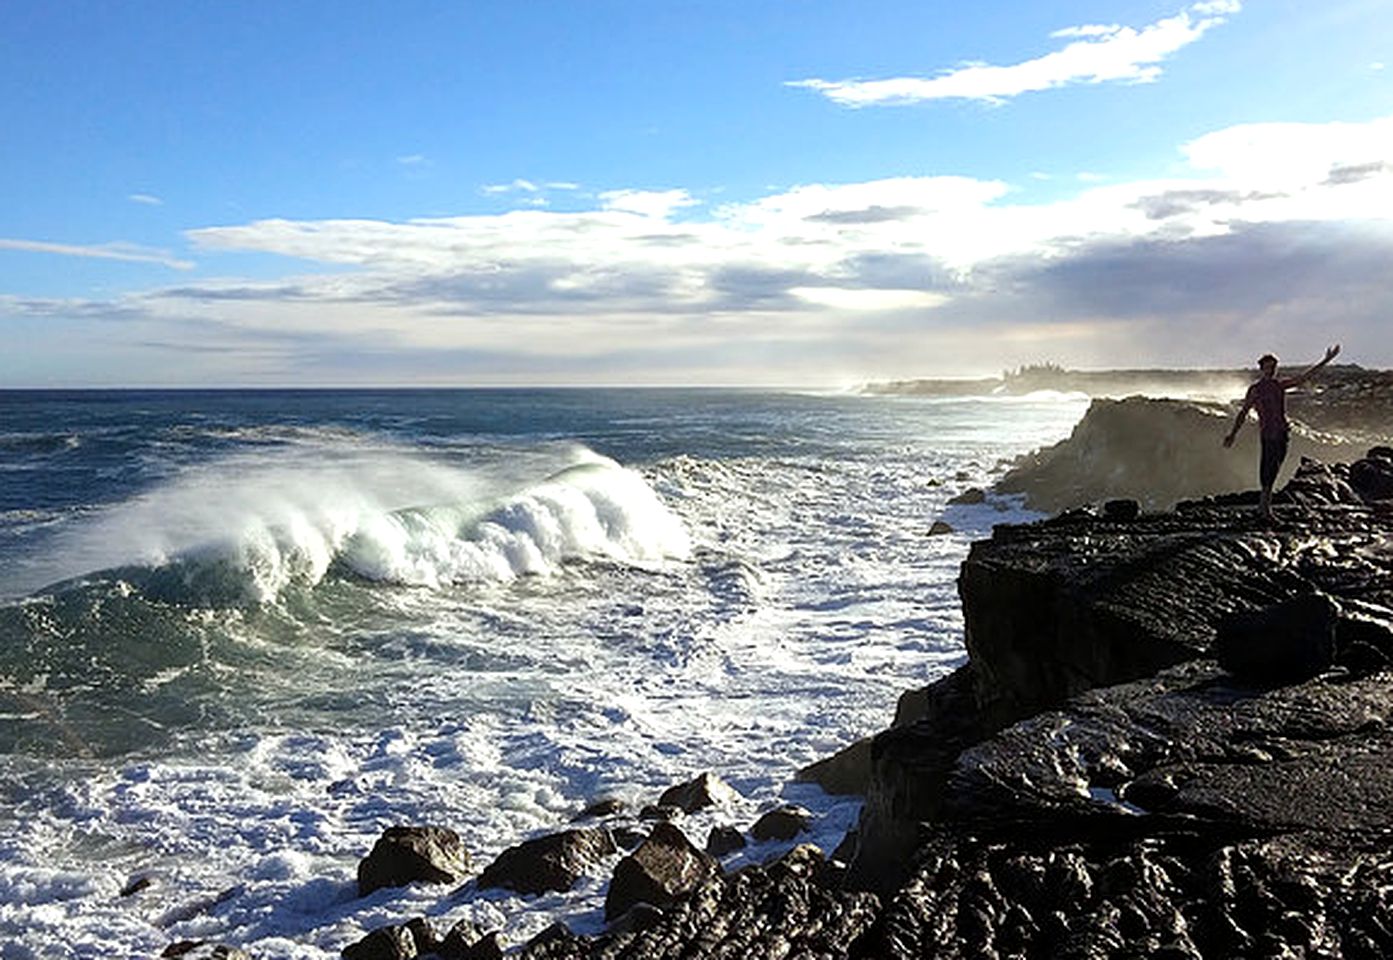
{"x":491,"y":946}
{"x":662,"y":870}
{"x":556,"y":942}
{"x":783,"y":823}
{"x":756,"y":913}
{"x":723,"y":840}
{"x":970,"y":497}
{"x":423,"y":935}
{"x":404,"y":855}
{"x":604,"y":807}
{"x":550,"y":863}
{"x":1290,"y":640}
{"x":707,"y":790}
{"x":939,"y":528}
{"x":458,"y":941}
{"x":384,"y":943}
{"x":847,"y":771}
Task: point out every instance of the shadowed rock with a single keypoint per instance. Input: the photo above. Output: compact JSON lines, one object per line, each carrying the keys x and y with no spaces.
{"x":663,"y":869}
{"x":783,"y":823}
{"x":551,"y":863}
{"x":707,"y":790}
{"x":384,"y":943}
{"x":405,"y":855}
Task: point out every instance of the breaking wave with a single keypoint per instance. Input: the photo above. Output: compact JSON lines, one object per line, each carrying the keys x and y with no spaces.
{"x":249,"y":529}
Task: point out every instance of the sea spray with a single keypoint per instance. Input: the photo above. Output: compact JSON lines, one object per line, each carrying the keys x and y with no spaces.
{"x":246,"y":528}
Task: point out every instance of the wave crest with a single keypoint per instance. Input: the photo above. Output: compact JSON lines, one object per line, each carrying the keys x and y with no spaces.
{"x":252,"y":531}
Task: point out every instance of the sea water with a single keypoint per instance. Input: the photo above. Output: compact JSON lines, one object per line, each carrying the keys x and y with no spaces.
{"x":243,"y":632}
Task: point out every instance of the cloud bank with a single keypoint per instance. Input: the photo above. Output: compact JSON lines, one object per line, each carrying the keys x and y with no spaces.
{"x":1095,"y":54}
{"x":815,"y":283}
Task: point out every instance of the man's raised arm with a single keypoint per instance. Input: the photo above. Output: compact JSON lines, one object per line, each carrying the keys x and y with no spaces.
{"x":1330,"y":353}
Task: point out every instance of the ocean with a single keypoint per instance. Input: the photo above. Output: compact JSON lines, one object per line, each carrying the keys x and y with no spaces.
{"x":242,"y":632}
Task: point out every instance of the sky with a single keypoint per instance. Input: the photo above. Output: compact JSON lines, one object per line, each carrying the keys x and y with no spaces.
{"x":762,"y":192}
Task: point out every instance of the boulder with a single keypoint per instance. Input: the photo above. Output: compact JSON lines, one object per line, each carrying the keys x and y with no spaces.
{"x":707,"y":790}
{"x":458,"y":941}
{"x":665,"y":868}
{"x":970,"y":497}
{"x":723,"y":840}
{"x":783,"y":823}
{"x":550,"y":863}
{"x":1372,"y":477}
{"x":384,"y":943}
{"x":940,"y":528}
{"x":404,"y":855}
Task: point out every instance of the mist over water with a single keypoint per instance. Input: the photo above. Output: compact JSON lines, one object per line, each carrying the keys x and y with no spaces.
{"x":247,"y":632}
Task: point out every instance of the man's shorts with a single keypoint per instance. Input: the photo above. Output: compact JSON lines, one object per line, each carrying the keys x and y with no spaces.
{"x":1274,"y":451}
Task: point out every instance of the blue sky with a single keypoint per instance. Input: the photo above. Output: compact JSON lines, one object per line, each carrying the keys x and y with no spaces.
{"x":620,"y":192}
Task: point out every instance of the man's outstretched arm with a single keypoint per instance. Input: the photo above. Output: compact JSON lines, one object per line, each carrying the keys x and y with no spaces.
{"x":1330,"y":353}
{"x":1238,"y":421}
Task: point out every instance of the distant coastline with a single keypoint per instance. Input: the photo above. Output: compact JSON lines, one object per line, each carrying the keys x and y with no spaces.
{"x":1034,"y":378}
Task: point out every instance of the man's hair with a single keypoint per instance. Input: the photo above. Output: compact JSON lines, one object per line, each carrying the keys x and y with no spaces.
{"x":1267,"y":358}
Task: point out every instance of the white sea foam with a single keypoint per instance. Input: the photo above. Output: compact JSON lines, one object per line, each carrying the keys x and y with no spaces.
{"x":253,"y":526}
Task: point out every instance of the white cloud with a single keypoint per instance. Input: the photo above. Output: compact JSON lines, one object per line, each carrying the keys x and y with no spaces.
{"x":1097,"y":54}
{"x":894,"y":272}
{"x":658,"y":204}
{"x":413,"y":160}
{"x":148,"y":199}
{"x":130,"y":253}
{"x":517,"y":186}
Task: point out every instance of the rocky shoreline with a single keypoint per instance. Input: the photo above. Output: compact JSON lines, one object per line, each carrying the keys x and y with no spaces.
{"x":1173,"y":738}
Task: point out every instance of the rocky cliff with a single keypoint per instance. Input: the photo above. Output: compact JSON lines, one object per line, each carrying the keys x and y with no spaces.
{"x":1159,"y":452}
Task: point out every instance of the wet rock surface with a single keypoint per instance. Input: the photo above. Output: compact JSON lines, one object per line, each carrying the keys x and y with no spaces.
{"x":404,"y":855}
{"x":550,"y":863}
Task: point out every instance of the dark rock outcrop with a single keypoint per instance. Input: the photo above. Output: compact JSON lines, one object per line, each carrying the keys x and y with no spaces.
{"x":1176,"y":816}
{"x":550,"y":863}
{"x":723,"y":840}
{"x":707,"y":790}
{"x":785,"y":909}
{"x":404,"y":855}
{"x":665,"y":868}
{"x":1057,"y":608}
{"x":384,"y":943}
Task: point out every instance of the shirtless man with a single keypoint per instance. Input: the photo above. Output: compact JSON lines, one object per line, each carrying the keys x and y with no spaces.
{"x":1268,"y":394}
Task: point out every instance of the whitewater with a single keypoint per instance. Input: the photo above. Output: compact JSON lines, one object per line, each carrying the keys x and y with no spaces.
{"x":243,"y":632}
